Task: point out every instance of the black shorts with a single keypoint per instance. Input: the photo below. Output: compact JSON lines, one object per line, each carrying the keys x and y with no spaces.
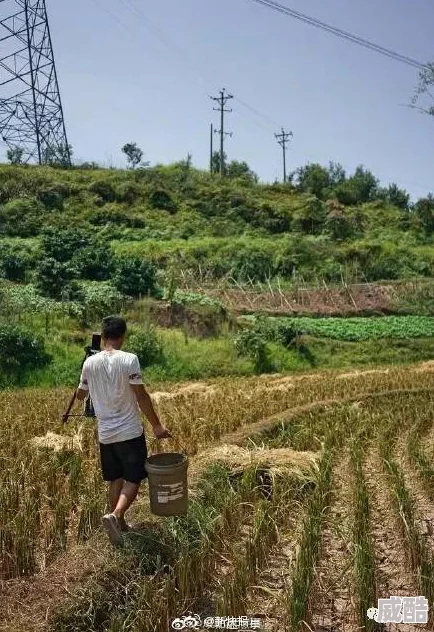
{"x":125,"y":460}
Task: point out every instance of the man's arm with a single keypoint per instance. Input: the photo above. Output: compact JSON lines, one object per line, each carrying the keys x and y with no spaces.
{"x":145,"y":404}
{"x":83,"y":388}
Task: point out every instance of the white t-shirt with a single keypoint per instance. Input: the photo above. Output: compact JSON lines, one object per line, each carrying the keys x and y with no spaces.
{"x":107,"y":376}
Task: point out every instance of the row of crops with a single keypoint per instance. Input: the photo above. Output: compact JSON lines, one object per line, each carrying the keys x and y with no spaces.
{"x":360,"y":329}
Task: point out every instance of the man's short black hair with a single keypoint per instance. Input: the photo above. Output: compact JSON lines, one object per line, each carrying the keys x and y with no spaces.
{"x":113,"y":327}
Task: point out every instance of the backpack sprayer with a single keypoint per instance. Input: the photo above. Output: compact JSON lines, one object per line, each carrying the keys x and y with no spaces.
{"x":88,"y":411}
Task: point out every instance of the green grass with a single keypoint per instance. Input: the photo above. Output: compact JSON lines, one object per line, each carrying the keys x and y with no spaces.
{"x":194,"y":359}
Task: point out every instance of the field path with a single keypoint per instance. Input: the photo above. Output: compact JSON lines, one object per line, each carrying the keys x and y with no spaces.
{"x":258,"y":428}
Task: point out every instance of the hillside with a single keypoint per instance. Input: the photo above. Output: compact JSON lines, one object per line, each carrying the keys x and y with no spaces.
{"x":184,"y":219}
{"x":182,"y":253}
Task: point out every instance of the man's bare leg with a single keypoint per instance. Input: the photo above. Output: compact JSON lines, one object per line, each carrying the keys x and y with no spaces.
{"x":127,"y":496}
{"x":115,"y":489}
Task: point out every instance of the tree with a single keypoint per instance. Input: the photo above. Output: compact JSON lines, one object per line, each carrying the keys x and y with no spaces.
{"x":337,"y":173}
{"x":133,"y":153}
{"x":423,"y":90}
{"x":424,"y":211}
{"x":15,"y":155}
{"x":313,"y":178}
{"x":215,"y":161}
{"x":237,"y":169}
{"x":395,"y":196}
{"x":361,"y":187}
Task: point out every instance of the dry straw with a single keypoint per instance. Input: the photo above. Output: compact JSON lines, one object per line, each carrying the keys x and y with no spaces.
{"x":238,"y":459}
{"x":57,"y":443}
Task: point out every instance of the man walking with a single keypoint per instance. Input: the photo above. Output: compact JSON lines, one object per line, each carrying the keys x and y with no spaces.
{"x":113,"y":381}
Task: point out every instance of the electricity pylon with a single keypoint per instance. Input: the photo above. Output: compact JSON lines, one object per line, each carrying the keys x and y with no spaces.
{"x":31,"y":113}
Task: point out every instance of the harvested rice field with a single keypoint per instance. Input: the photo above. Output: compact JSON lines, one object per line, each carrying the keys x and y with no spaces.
{"x":310,"y":498}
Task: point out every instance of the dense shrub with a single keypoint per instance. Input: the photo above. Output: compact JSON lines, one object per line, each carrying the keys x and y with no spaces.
{"x":104,"y":189}
{"x":14,"y":263}
{"x":52,"y":197}
{"x":20,"y":350}
{"x":338,"y":222}
{"x":95,"y":262}
{"x":22,"y":217}
{"x":147,"y":346}
{"x":62,"y":244}
{"x":310,"y":217}
{"x":253,"y":344}
{"x":135,"y":276}
{"x":55,"y":279}
{"x":15,"y":299}
{"x":97,"y":300}
{"x":128,"y":192}
{"x":161,"y":199}
{"x":286,"y":334}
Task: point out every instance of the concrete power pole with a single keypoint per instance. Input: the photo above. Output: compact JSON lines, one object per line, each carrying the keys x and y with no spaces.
{"x":211,"y":149}
{"x":283,"y":140}
{"x":222,"y":100}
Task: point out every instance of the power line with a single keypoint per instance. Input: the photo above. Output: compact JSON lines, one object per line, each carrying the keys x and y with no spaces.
{"x":283,"y":140}
{"x":113,"y":17}
{"x":270,"y":122}
{"x":355,"y":39}
{"x":181,"y":53}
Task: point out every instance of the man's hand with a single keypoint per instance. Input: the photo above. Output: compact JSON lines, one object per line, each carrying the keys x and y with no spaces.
{"x":147,"y":408}
{"x":161,"y":432}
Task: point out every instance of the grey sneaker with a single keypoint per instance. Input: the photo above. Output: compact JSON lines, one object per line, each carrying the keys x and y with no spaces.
{"x":113,"y":529}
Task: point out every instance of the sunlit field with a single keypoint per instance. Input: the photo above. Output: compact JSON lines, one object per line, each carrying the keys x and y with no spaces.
{"x":328,"y":507}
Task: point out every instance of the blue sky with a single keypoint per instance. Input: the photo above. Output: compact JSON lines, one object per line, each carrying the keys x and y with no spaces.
{"x":134,"y":70}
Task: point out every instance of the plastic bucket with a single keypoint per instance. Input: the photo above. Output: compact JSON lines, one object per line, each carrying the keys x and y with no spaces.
{"x":168,"y":487}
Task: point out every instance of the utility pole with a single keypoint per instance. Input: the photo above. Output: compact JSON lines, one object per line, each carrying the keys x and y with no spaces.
{"x":211,"y":149}
{"x":283,"y":140}
{"x":31,"y":113}
{"x":222,"y":100}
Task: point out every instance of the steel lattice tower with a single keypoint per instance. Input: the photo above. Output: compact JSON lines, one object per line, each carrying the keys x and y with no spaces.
{"x":31,"y":114}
